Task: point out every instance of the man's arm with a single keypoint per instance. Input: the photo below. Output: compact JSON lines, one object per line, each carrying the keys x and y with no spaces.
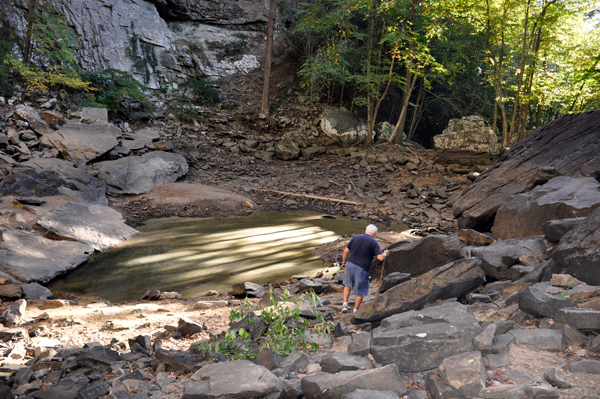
{"x":345,"y":256}
{"x":383,"y":255}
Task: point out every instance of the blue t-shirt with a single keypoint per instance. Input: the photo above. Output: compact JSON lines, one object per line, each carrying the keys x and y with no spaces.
{"x":363,"y":248}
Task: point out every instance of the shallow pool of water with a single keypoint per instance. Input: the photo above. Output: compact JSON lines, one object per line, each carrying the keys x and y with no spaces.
{"x":192,"y":256}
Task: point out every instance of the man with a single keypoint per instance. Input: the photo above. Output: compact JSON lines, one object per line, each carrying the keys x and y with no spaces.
{"x":357,"y":258}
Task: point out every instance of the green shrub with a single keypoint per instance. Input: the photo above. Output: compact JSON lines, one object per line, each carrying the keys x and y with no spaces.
{"x":7,"y":77}
{"x":202,"y":90}
{"x":117,"y":90}
{"x":283,"y":332}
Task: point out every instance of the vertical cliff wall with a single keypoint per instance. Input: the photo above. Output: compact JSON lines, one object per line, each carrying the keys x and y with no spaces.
{"x":160,"y":40}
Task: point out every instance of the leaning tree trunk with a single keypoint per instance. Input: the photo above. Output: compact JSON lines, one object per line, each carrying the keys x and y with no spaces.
{"x":28,"y":44}
{"x":268,"y":50}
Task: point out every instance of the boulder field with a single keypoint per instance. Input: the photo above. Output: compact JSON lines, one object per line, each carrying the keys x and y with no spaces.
{"x":506,"y":307}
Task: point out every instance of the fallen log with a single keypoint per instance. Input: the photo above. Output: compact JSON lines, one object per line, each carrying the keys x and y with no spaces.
{"x":339,"y":201}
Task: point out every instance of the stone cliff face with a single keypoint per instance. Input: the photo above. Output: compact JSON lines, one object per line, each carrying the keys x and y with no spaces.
{"x":232,"y":12}
{"x":162,"y":40}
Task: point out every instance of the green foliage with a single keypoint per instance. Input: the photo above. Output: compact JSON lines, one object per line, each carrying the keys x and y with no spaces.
{"x":230,"y":48}
{"x":283,"y":333}
{"x":201,"y":93}
{"x":7,"y":78}
{"x":144,"y":58}
{"x":202,"y":90}
{"x":53,"y":61}
{"x":117,"y":90}
{"x":54,"y":42}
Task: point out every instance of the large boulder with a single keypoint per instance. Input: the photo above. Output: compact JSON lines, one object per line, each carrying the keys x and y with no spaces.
{"x":449,"y":281}
{"x":421,"y":340}
{"x":342,"y":126}
{"x":83,"y":143}
{"x":568,"y":146}
{"x":578,"y":253}
{"x":98,"y":226}
{"x":30,"y":257}
{"x":239,"y":379}
{"x":138,"y":175}
{"x":75,"y":182}
{"x":524,"y":215}
{"x":418,"y":255}
{"x":33,"y":117}
{"x":464,"y":373}
{"x":536,"y":301}
{"x":30,"y":183}
{"x":333,"y":386}
{"x":499,"y":257}
{"x":469,"y":136}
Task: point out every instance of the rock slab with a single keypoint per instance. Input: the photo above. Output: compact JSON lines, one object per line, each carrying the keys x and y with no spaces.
{"x":421,"y":340}
{"x":30,"y":257}
{"x":140,"y":174}
{"x":239,"y":379}
{"x":98,"y":226}
{"x":449,"y":281}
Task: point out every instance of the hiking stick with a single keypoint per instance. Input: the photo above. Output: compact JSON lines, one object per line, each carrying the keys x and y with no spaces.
{"x":380,"y":279}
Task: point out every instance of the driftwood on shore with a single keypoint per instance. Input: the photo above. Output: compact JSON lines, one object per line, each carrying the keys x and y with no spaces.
{"x":339,"y":201}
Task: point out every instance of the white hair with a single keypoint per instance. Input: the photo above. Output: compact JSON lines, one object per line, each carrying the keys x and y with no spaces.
{"x":371,"y":229}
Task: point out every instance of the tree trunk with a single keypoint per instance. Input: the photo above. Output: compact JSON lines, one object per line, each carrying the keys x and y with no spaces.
{"x":28,"y":44}
{"x":268,"y":50}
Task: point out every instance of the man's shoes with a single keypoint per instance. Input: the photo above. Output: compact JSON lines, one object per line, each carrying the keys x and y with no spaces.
{"x":345,"y":309}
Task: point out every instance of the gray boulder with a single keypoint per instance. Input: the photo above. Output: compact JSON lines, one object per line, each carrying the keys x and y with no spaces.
{"x":418,"y":256}
{"x":370,"y":394}
{"x":342,"y":126}
{"x":421,"y":340}
{"x":333,"y":386}
{"x":75,"y":182}
{"x":392,"y":280}
{"x":287,"y":149}
{"x":294,"y":362}
{"x":545,"y":339}
{"x":470,"y":134}
{"x":337,"y":361}
{"x":464,"y":373}
{"x":449,"y":281}
{"x":536,"y":301}
{"x":519,"y":169}
{"x":578,"y":253}
{"x":584,"y":366}
{"x":475,"y":238}
{"x":33,"y":291}
{"x":437,"y":388}
{"x":15,"y":312}
{"x":239,"y":379}
{"x":247,"y":289}
{"x":581,"y":319}
{"x":98,"y":226}
{"x":562,"y":197}
{"x":30,"y":257}
{"x":83,"y":143}
{"x":33,"y":117}
{"x":554,"y":230}
{"x":138,"y":175}
{"x":92,"y":114}
{"x":499,"y":257}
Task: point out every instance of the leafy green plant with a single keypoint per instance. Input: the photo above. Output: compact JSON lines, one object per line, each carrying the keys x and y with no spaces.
{"x":117,"y":90}
{"x":203,"y":90}
{"x":7,"y":80}
{"x":283,"y":330}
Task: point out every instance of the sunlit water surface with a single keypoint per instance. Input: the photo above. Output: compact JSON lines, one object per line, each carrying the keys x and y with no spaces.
{"x":192,"y":256}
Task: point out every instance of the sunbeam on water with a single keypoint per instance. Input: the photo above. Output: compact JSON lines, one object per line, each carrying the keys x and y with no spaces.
{"x":193,"y":256}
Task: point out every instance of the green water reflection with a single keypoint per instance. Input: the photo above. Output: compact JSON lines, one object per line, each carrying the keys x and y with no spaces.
{"x":192,"y":256}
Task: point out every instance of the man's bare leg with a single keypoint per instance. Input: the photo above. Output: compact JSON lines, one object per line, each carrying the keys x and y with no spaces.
{"x":346,"y":294}
{"x":357,"y":302}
